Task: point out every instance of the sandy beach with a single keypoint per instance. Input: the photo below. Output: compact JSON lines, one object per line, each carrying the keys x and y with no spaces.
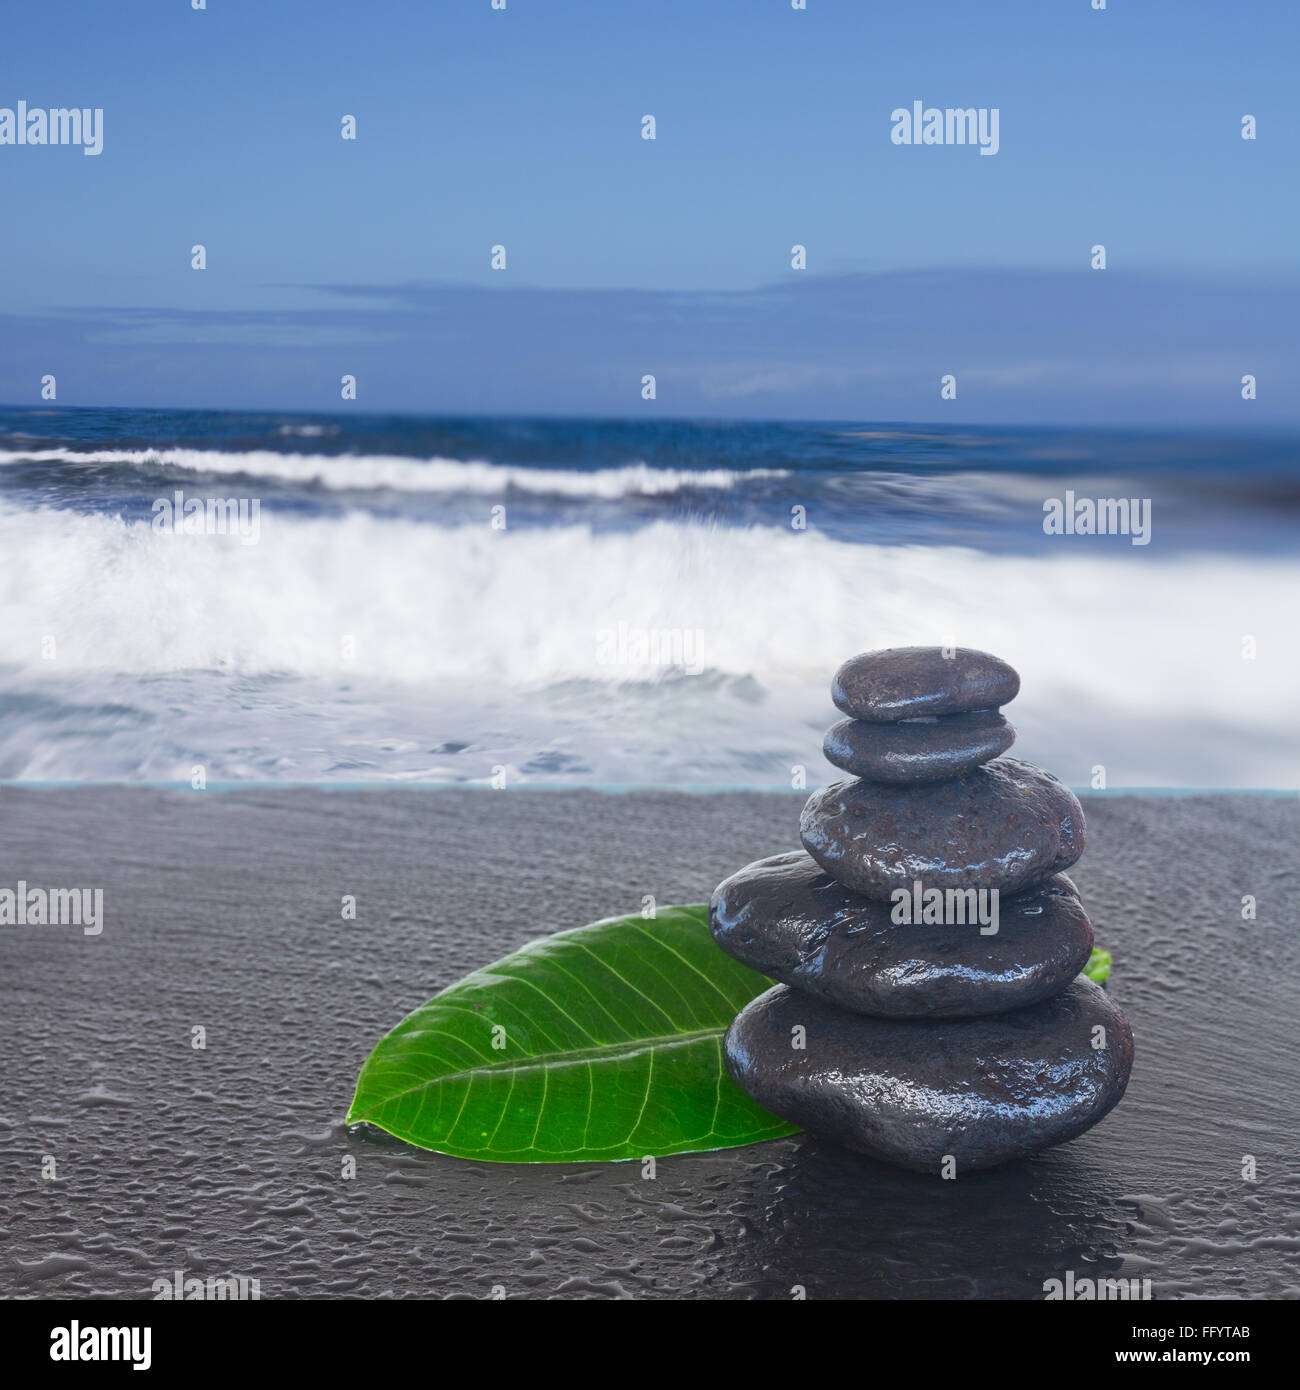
{"x":222,"y":912}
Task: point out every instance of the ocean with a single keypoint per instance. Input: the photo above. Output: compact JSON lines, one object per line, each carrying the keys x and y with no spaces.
{"x":618,"y":603}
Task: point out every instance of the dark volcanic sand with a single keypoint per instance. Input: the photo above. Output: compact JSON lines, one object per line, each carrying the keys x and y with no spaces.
{"x":222,"y":910}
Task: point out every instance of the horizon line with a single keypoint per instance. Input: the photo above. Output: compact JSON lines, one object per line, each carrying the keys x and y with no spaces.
{"x":412,"y":412}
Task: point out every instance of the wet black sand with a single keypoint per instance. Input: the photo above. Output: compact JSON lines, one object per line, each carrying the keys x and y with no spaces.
{"x":223,"y":911}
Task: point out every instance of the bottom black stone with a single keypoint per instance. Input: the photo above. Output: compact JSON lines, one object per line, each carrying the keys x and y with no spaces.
{"x":915,"y":1092}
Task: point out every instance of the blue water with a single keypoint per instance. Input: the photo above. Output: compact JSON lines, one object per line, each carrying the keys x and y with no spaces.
{"x":610,"y":602}
{"x":862,"y":482}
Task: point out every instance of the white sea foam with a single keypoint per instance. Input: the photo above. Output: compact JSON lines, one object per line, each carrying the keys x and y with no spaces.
{"x":402,"y":474}
{"x":522,"y":606}
{"x":1119,"y":654}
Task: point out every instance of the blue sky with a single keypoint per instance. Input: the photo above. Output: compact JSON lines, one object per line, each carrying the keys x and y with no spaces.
{"x":523,"y":127}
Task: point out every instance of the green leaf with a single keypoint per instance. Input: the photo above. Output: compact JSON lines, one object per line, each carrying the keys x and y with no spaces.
{"x":608,"y":1046}
{"x":1098,"y":967}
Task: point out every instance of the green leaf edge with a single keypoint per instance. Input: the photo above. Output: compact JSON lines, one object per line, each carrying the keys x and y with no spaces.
{"x":1098,"y":967}
{"x":781,"y":1128}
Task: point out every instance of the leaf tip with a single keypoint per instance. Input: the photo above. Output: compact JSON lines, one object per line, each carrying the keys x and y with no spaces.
{"x":1098,"y":966}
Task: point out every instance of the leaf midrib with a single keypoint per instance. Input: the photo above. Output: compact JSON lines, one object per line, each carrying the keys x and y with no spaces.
{"x":582,"y":1054}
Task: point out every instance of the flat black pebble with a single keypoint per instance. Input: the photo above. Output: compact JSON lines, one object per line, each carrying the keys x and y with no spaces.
{"x":912,"y":1091}
{"x":788,"y":919}
{"x":918,"y":751}
{"x":912,"y":682}
{"x":1006,"y":825}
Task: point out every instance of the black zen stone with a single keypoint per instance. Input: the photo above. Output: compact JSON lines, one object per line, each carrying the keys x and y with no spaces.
{"x":918,"y":751}
{"x":914,"y":682}
{"x":914,"y":1092}
{"x":788,"y":919}
{"x":1006,"y":825}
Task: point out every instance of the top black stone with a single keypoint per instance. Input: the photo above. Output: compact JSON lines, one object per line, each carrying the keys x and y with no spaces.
{"x":920,"y":682}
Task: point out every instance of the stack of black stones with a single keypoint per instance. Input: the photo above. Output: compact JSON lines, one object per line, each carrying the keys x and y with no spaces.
{"x":942,"y":1031}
